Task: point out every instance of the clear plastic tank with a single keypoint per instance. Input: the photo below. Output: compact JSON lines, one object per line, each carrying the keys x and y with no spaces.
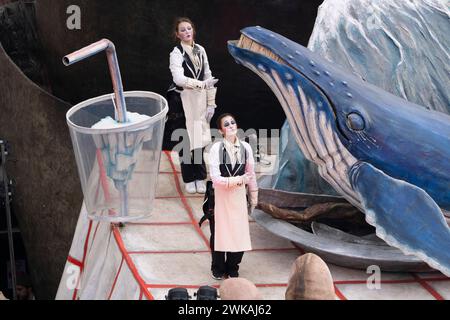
{"x":118,"y":166}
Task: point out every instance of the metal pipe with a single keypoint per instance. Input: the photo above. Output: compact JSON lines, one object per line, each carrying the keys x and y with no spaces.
{"x":114,"y":70}
{"x":12,"y":258}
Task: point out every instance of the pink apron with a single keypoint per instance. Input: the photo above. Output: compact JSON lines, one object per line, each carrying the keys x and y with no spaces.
{"x":232,"y":233}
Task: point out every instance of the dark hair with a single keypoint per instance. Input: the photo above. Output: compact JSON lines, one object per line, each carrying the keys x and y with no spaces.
{"x":223,"y":115}
{"x":177,"y":23}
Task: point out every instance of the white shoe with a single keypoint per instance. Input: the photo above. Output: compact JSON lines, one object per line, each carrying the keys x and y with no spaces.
{"x":190,"y":187}
{"x":200,"y":186}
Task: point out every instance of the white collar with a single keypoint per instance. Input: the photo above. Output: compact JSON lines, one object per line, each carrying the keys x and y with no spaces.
{"x":188,"y":47}
{"x":230,"y":145}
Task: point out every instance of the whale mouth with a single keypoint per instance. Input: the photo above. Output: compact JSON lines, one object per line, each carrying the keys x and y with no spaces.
{"x":247,"y":43}
{"x":250,"y":44}
{"x":311,"y":126}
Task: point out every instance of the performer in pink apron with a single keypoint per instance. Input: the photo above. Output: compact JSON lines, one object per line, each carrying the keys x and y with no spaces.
{"x":231,"y":167}
{"x":192,"y":104}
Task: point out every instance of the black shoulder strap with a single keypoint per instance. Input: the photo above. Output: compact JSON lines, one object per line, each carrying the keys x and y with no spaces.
{"x":201,"y":71}
{"x":245,"y":153}
{"x":222,"y":153}
{"x":180,"y":48}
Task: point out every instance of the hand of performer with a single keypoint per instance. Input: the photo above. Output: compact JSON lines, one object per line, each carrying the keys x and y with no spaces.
{"x":253,"y":200}
{"x":209,"y":113}
{"x":238,"y":180}
{"x":246,"y":178}
{"x":209,"y":83}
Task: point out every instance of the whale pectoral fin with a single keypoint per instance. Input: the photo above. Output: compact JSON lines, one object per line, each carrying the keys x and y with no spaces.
{"x":404,"y":215}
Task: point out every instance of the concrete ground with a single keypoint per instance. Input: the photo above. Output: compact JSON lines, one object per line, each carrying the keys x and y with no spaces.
{"x":174,"y":252}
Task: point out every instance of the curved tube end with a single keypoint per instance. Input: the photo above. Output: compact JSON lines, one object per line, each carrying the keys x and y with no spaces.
{"x":66,"y":61}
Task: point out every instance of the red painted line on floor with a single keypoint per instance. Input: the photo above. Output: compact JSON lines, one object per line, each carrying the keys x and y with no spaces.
{"x":158,"y":223}
{"x":436,"y":279}
{"x":170,"y":286}
{"x":168,"y":251}
{"x":427,"y":287}
{"x":382,"y":281}
{"x":75,"y":291}
{"x":83,"y":260}
{"x":339,"y":294}
{"x":74,"y":261}
{"x":186,"y":205}
{"x":302,"y":251}
{"x":130,"y":262}
{"x":115,"y":280}
{"x":270,"y":285}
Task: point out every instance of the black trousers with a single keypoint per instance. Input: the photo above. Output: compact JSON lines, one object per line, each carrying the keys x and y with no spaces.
{"x":223,"y":263}
{"x":193,"y":167}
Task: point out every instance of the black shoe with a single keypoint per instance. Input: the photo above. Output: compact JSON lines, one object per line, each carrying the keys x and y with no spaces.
{"x":233,"y":275}
{"x":217,"y":276}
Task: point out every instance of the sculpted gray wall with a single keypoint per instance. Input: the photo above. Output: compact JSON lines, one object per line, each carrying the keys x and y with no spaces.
{"x":47,"y":196}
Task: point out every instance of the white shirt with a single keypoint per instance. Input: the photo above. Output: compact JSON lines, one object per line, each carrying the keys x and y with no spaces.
{"x":176,"y":67}
{"x":233,"y":150}
{"x":214,"y":165}
{"x":194,"y":57}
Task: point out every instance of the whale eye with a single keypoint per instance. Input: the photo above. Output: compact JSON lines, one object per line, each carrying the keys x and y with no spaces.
{"x":355,"y":121}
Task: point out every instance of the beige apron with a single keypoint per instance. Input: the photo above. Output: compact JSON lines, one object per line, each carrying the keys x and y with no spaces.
{"x":232,"y":232}
{"x":194,"y":106}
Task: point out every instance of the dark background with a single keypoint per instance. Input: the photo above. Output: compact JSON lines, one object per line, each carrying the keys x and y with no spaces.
{"x":34,"y":35}
{"x":142,"y":33}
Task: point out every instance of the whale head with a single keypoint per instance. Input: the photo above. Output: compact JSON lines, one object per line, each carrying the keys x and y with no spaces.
{"x":338,"y":118}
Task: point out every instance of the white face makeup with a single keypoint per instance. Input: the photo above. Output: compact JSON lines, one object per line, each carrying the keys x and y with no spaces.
{"x":228,"y":127}
{"x":185,"y":32}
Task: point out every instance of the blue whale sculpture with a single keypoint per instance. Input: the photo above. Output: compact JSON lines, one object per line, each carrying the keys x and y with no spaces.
{"x":388,"y":157}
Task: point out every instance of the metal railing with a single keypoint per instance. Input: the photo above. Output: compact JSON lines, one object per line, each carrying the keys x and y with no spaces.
{"x":7,"y":198}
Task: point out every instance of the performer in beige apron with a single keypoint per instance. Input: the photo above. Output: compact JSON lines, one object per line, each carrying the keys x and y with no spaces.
{"x":191,"y":100}
{"x":231,"y":166}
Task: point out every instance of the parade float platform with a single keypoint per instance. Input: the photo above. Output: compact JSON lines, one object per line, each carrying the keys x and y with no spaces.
{"x":144,"y":259}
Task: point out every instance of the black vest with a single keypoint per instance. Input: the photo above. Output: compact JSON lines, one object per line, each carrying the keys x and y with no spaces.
{"x":189,"y":69}
{"x":226,"y":168}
